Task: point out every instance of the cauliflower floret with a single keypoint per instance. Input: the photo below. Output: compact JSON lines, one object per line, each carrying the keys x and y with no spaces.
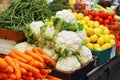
{"x":23,"y":46}
{"x":85,"y":54}
{"x":68,"y":64}
{"x":65,"y":14}
{"x":50,"y":30}
{"x":82,"y":35}
{"x":69,"y":40}
{"x":35,"y":26}
{"x":49,"y":51}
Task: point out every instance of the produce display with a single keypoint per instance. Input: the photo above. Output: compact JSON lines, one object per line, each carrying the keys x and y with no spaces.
{"x":58,"y":38}
{"x":28,"y":65}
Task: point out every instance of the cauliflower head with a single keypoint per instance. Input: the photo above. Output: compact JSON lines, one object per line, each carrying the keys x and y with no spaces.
{"x":66,"y":15}
{"x":23,"y":46}
{"x":35,"y":27}
{"x":82,"y":34}
{"x":68,"y":64}
{"x":85,"y":55}
{"x":69,"y":40}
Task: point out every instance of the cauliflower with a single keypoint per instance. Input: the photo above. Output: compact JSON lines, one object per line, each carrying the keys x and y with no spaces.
{"x":82,"y":35}
{"x":68,"y":64}
{"x":35,"y":27}
{"x":23,"y":46}
{"x":69,"y":40}
{"x":85,"y":55}
{"x":49,"y":51}
{"x":65,"y":14}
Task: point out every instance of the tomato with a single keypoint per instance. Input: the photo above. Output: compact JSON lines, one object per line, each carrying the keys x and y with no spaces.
{"x":91,"y":18}
{"x":100,"y":20}
{"x":106,"y":21}
{"x":112,"y":15}
{"x":111,"y":32}
{"x":115,"y":28}
{"x":110,"y":18}
{"x":96,"y":18}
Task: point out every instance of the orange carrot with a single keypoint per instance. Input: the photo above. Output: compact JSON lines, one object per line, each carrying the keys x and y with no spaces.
{"x":23,"y":55}
{"x":49,"y":77}
{"x":3,"y":76}
{"x":17,"y":69}
{"x":29,"y":74}
{"x":35,"y":50}
{"x":29,"y":68}
{"x":35,"y":56}
{"x":23,"y":70}
{"x":10,"y":69}
{"x":11,"y":76}
{"x":51,"y":61}
{"x":10,"y":61}
{"x":38,"y":76}
{"x":3,"y":65}
{"x":29,"y":78}
{"x":13,"y":55}
{"x":45,"y":71}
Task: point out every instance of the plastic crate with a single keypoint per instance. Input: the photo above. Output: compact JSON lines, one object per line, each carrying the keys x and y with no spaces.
{"x":103,"y":56}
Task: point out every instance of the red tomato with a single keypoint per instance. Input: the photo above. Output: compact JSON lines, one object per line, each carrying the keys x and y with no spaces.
{"x":106,"y":21}
{"x":100,"y":20}
{"x":96,"y":18}
{"x":110,"y":18}
{"x":91,"y":18}
{"x":112,"y":15}
{"x":115,"y":27}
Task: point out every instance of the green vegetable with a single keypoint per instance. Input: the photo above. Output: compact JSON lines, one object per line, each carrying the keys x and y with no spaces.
{"x":58,"y":5}
{"x":22,"y":12}
{"x":61,"y":24}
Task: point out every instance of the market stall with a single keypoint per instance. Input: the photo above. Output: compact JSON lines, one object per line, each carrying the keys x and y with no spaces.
{"x":57,"y":40}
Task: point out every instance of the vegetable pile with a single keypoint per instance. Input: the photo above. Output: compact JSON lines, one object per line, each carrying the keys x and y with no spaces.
{"x":30,"y":65}
{"x":63,"y":38}
{"x":22,"y":12}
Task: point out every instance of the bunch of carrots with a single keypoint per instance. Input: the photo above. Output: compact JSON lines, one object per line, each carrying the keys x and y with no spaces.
{"x":30,"y":65}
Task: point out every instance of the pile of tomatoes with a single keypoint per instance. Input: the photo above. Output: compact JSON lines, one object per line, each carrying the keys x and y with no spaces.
{"x":102,"y":17}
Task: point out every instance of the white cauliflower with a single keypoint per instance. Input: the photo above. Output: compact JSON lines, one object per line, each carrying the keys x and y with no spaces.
{"x":65,"y":14}
{"x":35,"y":27}
{"x":68,"y":64}
{"x":50,"y":30}
{"x":85,"y":55}
{"x":23,"y":46}
{"x":82,"y":34}
{"x":69,"y":40}
{"x":49,"y":51}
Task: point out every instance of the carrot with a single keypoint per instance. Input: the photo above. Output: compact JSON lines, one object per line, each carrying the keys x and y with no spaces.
{"x":23,"y":55}
{"x":10,"y":69}
{"x":29,"y":78}
{"x":29,"y":68}
{"x":29,"y":74}
{"x":13,"y":55}
{"x":45,"y":71}
{"x":3,"y":76}
{"x":11,"y":76}
{"x":23,"y":70}
{"x":10,"y":61}
{"x":45,"y":56}
{"x":35,"y":50}
{"x":49,"y":77}
{"x":35,"y":56}
{"x":3,"y":65}
{"x":38,"y":76}
{"x":17,"y":69}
